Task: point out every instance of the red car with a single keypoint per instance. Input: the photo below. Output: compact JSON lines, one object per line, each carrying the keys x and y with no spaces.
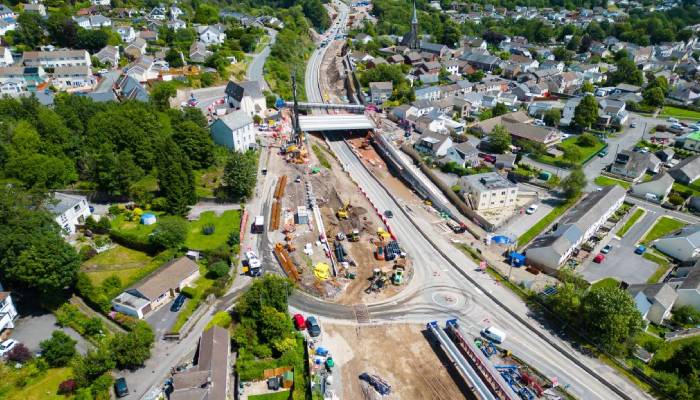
{"x":299,"y":322}
{"x":599,"y":258}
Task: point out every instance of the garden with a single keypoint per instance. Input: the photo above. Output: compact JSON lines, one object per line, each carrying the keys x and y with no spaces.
{"x":638,"y":213}
{"x":577,"y":150}
{"x":608,"y":181}
{"x":680,"y":113}
{"x":663,"y":226}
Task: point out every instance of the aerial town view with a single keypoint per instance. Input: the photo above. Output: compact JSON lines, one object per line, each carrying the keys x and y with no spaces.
{"x":349,"y":199}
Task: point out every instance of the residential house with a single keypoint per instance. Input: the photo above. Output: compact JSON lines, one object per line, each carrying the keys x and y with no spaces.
{"x":380,"y":91}
{"x":69,"y":211}
{"x":518,"y":124}
{"x":430,"y":93}
{"x":246,"y":96}
{"x":39,"y":9}
{"x":552,"y":64}
{"x":687,"y":171}
{"x":526,"y":63}
{"x":656,"y":189}
{"x":452,"y":66}
{"x":234,"y":130}
{"x":6,"y":58}
{"x":73,"y":78}
{"x":211,"y":34}
{"x":136,"y":48}
{"x":685,"y":94}
{"x":612,"y":112}
{"x":482,"y":61}
{"x":58,"y":58}
{"x":98,"y":3}
{"x":176,"y":24}
{"x":127,"y":87}
{"x":108,"y":55}
{"x":142,"y":69}
{"x":18,"y":79}
{"x":126,"y":33}
{"x":433,"y":144}
{"x":683,"y":244}
{"x":633,"y":165}
{"x":362,"y":38}
{"x":653,"y":301}
{"x":93,"y":22}
{"x":210,"y":378}
{"x":551,"y":250}
{"x":488,"y":191}
{"x":689,"y":290}
{"x":157,"y":289}
{"x":464,"y":154}
{"x":8,"y":312}
{"x":199,"y":52}
{"x":440,"y":50}
{"x":6,"y":12}
{"x":158,"y":13}
{"x":692,"y":141}
{"x":149,"y":35}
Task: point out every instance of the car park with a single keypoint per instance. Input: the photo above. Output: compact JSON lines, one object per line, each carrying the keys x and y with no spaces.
{"x":607,"y":249}
{"x":6,"y":346}
{"x":313,"y":327}
{"x":120,"y":387}
{"x":599,"y":258}
{"x":531,"y":210}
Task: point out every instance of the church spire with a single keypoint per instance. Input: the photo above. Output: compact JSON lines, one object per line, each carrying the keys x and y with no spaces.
{"x":414,"y":21}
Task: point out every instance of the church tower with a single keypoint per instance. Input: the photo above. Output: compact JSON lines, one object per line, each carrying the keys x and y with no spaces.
{"x":411,"y":39}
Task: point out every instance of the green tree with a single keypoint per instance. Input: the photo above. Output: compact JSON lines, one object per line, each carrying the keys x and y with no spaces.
{"x":132,"y":349}
{"x":316,"y":13}
{"x":610,"y":317}
{"x":686,"y":316}
{"x":586,"y":112}
{"x":574,"y":183}
{"x":206,"y":14}
{"x":96,"y":362}
{"x":573,"y":154}
{"x":174,"y":58}
{"x":552,"y":117}
{"x":499,"y":139}
{"x":499,"y":109}
{"x":626,"y":72}
{"x":218,"y":269}
{"x":240,"y":174}
{"x":170,"y":232}
{"x":195,"y":141}
{"x":587,"y":87}
{"x":59,"y":349}
{"x":161,"y":95}
{"x":274,"y":324}
{"x":175,"y":179}
{"x":586,"y":140}
{"x":654,"y":96}
{"x":30,"y":30}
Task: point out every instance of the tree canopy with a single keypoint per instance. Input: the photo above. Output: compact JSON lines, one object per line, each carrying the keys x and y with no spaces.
{"x":586,"y":112}
{"x":240,"y":175}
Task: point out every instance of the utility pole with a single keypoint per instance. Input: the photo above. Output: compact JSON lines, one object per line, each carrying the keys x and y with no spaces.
{"x":296,"y":135}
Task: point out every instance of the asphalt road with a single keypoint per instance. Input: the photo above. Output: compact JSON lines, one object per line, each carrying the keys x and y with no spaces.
{"x":256,"y":67}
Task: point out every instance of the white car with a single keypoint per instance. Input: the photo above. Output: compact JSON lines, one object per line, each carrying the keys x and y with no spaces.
{"x":253,"y":260}
{"x":672,"y":120}
{"x":6,"y":346}
{"x":531,"y":209}
{"x":494,"y":334}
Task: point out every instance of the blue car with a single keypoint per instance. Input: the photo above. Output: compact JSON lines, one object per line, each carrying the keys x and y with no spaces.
{"x":177,"y":304}
{"x":640,"y":249}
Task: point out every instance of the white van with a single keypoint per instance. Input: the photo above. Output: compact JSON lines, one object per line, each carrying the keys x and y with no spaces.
{"x":494,"y":334}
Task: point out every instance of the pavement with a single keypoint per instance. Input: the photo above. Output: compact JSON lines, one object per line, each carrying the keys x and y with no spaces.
{"x":255,"y":71}
{"x":32,"y":329}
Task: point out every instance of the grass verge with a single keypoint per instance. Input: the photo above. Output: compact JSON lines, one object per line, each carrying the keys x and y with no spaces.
{"x":321,"y":155}
{"x":224,"y":224}
{"x":638,"y":213}
{"x":606,"y":283}
{"x":663,"y":226}
{"x":607,"y":181}
{"x":536,"y":229}
{"x":662,"y":262}
{"x":681,"y":113}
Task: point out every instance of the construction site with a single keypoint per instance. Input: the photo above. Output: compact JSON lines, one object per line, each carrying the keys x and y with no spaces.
{"x":327,"y":236}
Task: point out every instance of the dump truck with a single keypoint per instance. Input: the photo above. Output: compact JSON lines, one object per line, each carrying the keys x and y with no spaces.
{"x":258,"y":224}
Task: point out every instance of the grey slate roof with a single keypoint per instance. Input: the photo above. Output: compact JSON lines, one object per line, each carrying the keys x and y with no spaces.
{"x":663,"y":293}
{"x":62,"y":202}
{"x":236,"y":119}
{"x":692,"y":281}
{"x":686,"y":170}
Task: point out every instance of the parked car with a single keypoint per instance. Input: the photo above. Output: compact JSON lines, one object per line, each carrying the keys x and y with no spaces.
{"x":603,"y":153}
{"x":640,"y":249}
{"x":599,"y":258}
{"x":298,"y":179}
{"x":299,"y":322}
{"x":313,"y":326}
{"x":6,"y":346}
{"x":607,"y":249}
{"x":672,"y":120}
{"x":388,"y":214}
{"x":633,"y":125}
{"x":531,"y":209}
{"x":177,"y":304}
{"x":120,"y":387}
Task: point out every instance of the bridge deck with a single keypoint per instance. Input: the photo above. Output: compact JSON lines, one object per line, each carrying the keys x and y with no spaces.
{"x":335,"y":122}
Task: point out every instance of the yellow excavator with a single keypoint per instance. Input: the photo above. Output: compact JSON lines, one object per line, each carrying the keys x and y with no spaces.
{"x":343,"y":211}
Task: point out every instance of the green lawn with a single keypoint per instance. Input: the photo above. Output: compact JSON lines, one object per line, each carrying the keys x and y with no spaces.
{"x":638,"y":213}
{"x":224,"y":224}
{"x":207,"y":180}
{"x":607,"y":282}
{"x":134,"y":226}
{"x":119,"y":260}
{"x":662,"y":262}
{"x":320,"y":154}
{"x":545,"y":222}
{"x":680,"y":113}
{"x":271,"y":396}
{"x":43,"y":386}
{"x":586,"y":152}
{"x":693,"y":188}
{"x":607,"y":181}
{"x":663,"y":226}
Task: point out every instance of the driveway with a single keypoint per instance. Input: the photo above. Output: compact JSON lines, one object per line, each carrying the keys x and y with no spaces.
{"x":521,"y":223}
{"x":32,"y":329}
{"x":621,"y":263}
{"x":205,"y":206}
{"x":162,"y":319}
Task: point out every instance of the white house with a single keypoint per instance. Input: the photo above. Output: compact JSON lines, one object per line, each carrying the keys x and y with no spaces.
{"x":6,"y":58}
{"x":126,"y":33}
{"x":93,"y":22}
{"x":6,"y":12}
{"x":464,"y":154}
{"x":157,"y":289}
{"x":683,"y":244}
{"x":136,"y":48}
{"x":580,"y":223}
{"x":246,"y":96}
{"x":73,"y":78}
{"x":142,"y":69}
{"x":654,"y":301}
{"x":234,"y":130}
{"x":689,"y":290}
{"x":434,"y":144}
{"x":108,"y":55}
{"x":656,"y":189}
{"x":105,"y":3}
{"x":7,"y":25}
{"x":57,"y":58}
{"x":8,"y":312}
{"x":211,"y":34}
{"x":489,"y":190}
{"x":69,"y":210}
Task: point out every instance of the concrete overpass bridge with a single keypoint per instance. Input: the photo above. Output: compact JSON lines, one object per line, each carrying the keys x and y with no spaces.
{"x":335,"y":122}
{"x":353,"y":108}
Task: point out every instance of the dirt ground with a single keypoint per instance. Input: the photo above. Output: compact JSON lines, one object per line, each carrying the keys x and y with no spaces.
{"x":400,"y":354}
{"x":332,"y":189}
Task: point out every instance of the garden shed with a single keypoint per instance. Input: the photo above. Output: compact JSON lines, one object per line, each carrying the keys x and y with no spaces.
{"x":148,"y":219}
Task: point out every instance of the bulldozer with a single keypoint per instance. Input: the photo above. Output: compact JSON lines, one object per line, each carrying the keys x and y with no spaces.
{"x":343,"y":211}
